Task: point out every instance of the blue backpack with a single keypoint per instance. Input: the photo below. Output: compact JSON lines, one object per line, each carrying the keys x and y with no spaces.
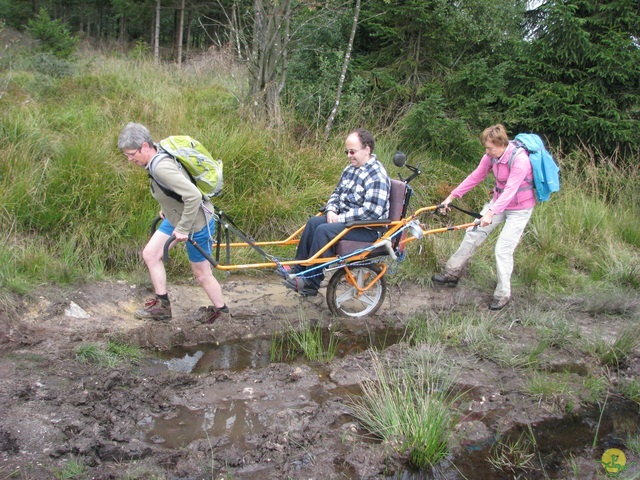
{"x":546,"y":173}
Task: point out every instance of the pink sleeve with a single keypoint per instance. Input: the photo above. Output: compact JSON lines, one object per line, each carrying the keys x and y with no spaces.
{"x":474,"y":178}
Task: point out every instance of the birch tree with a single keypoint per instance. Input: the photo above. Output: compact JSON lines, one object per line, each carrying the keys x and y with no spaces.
{"x":180,"y":34}
{"x":343,"y":75}
{"x":156,"y":36}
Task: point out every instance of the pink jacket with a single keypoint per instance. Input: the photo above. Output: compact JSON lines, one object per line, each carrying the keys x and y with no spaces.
{"x":515,"y":187}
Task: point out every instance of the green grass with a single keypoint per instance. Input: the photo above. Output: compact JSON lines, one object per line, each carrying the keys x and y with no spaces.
{"x":630,"y":389}
{"x":73,"y":209}
{"x":72,"y":470}
{"x":514,"y":457}
{"x":307,"y":340}
{"x":633,"y":444}
{"x":552,"y":322}
{"x":456,"y":328}
{"x":546,"y":387}
{"x":597,"y":387}
{"x":109,"y":355}
{"x":614,"y":353}
{"x":410,"y":406}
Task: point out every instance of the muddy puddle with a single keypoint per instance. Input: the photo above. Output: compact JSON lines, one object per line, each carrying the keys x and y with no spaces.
{"x":555,"y":444}
{"x":550,"y":445}
{"x":226,"y":418}
{"x":238,"y":355}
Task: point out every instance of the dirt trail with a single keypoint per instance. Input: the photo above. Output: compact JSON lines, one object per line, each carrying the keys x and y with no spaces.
{"x":274,"y":421}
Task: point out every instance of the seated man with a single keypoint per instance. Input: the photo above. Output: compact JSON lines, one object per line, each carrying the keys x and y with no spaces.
{"x":361,"y":194}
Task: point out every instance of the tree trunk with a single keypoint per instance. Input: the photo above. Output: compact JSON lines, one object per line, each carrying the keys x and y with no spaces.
{"x":156,"y":39}
{"x":268,"y":60}
{"x":180,"y":30}
{"x":188,"y":42}
{"x":122,"y":24}
{"x":343,"y":75}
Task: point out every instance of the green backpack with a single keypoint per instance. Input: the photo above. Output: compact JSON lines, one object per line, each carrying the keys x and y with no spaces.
{"x":204,"y":171}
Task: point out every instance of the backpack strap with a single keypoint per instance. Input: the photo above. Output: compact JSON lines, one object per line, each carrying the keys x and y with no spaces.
{"x":162,"y":153}
{"x":519,"y":146}
{"x":152,"y":164}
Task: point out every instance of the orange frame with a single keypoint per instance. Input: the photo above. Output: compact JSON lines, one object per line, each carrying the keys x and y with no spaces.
{"x":393,"y":228}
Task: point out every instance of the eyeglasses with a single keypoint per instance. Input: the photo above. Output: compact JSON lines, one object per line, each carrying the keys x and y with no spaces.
{"x":351,"y":151}
{"x":132,"y":154}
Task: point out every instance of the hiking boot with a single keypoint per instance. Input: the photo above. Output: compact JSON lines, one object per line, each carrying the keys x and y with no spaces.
{"x":154,"y":309}
{"x":445,"y":279}
{"x":301,"y":286}
{"x":210,"y":314}
{"x":498,"y":303}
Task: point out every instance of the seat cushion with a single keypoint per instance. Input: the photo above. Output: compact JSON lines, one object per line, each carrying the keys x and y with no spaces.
{"x":345,"y":247}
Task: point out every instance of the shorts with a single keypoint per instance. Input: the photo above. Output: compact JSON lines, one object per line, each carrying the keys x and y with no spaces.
{"x":202,"y":238}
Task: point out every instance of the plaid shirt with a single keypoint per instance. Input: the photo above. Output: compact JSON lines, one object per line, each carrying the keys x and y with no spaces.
{"x":362,"y":193}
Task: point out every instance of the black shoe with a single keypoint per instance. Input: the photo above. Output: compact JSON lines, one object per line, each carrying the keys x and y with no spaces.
{"x":299,"y":285}
{"x":445,"y":279}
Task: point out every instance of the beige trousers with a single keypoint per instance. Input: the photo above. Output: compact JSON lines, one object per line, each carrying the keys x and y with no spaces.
{"x":514,"y":222}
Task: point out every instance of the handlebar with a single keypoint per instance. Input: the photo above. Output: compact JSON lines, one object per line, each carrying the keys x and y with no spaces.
{"x":400,"y":160}
{"x":172,"y":238}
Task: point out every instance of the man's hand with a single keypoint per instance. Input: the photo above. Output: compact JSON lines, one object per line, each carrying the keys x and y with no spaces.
{"x":180,"y":237}
{"x":332,"y":217}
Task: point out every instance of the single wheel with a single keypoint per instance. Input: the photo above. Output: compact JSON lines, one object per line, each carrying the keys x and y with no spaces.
{"x":347,"y":292}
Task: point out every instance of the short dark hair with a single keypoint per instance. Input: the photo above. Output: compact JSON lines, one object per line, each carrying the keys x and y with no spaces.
{"x":366,"y":138}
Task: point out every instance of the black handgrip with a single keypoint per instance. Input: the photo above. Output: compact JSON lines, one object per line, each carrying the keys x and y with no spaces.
{"x":154,"y":225}
{"x":171,"y":239}
{"x":167,"y":244}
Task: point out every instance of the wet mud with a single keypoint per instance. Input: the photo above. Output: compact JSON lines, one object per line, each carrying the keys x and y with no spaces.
{"x":208,"y":401}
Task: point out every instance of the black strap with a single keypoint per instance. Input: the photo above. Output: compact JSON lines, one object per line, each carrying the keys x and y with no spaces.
{"x":473,"y":214}
{"x":167,"y":191}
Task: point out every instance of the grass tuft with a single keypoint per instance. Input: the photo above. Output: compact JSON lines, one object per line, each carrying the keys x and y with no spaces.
{"x":410,"y":407}
{"x":615,"y":354}
{"x":308,"y":340}
{"x":108,"y":356}
{"x":513,"y":456}
{"x":73,"y":468}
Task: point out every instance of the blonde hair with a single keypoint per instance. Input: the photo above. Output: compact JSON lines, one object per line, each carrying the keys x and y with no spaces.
{"x":495,"y":134}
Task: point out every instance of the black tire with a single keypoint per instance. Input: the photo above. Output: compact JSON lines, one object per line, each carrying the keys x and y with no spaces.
{"x":342,"y":296}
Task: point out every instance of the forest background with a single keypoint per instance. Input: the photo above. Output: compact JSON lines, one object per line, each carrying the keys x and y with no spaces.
{"x":273,"y":86}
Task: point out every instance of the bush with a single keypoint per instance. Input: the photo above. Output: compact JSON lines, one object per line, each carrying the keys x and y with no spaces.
{"x":54,"y":37}
{"x":48,"y":64}
{"x":428,"y":125}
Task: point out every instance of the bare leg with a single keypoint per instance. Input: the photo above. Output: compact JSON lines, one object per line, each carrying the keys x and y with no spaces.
{"x":152,"y":256}
{"x":204,"y":276}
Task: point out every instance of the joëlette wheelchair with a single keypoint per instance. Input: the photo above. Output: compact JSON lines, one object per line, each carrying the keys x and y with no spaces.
{"x":357,"y":285}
